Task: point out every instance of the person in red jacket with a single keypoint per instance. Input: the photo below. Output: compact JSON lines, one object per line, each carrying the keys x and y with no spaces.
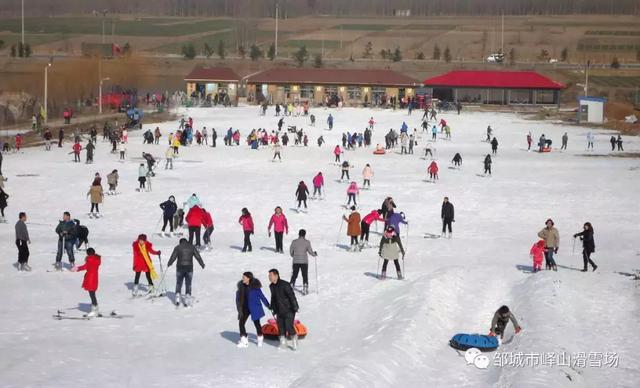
{"x":207,"y":222}
{"x":247,"y":227}
{"x":194,"y":219}
{"x":433,"y":171}
{"x":18,"y":142}
{"x":76,"y":152}
{"x":365,"y":224}
{"x":142,"y":251}
{"x":90,"y":282}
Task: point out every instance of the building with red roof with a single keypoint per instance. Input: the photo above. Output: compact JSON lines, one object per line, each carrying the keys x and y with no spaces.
{"x":213,"y":84}
{"x":350,"y":86}
{"x":494,"y":87}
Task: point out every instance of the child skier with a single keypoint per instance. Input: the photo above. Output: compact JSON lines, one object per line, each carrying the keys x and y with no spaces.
{"x":537,"y":254}
{"x":390,"y":247}
{"x":352,"y":192}
{"x":90,"y":281}
{"x":433,"y":171}
{"x":247,"y":228}
{"x":337,"y":151}
{"x":142,"y":251}
{"x":353,"y":228}
{"x":249,"y":301}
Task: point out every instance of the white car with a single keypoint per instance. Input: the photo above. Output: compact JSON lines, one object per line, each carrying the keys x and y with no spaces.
{"x":495,"y":58}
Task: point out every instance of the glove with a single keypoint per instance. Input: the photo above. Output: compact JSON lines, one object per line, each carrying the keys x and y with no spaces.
{"x":575,"y":235}
{"x":492,"y":334}
{"x":518,"y":329}
{"x":159,"y":253}
{"x":269,"y":234}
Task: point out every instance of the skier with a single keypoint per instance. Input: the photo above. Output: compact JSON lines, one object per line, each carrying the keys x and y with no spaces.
{"x":457,"y":160}
{"x":195,"y":218}
{"x":551,"y":239}
{"x":489,"y":131}
{"x":619,"y":143}
{"x":390,"y":247}
{"x":500,"y":321}
{"x":613,"y":143}
{"x":330,"y":121}
{"x":352,"y":192}
{"x":345,"y":170}
{"x":588,"y":245}
{"x":487,"y":164}
{"x":123,"y":150}
{"x":447,"y":216}
{"x":394,"y":220}
{"x":433,"y":171}
{"x":183,"y":255}
{"x":371,"y":123}
{"x":90,"y":282}
{"x":301,"y":194}
{"x":192,"y":201}
{"x":276,"y":151}
{"x":404,"y":142}
{"x":89,"y":148}
{"x":96,"y":195}
{"x":337,"y":151}
{"x":565,"y":139}
{"x":66,"y":239}
{"x":247,"y":228}
{"x":320,"y":141}
{"x":412,"y":142}
{"x":150,"y":162}
{"x":22,"y":241}
{"x":590,"y":139}
{"x":169,"y":209}
{"x":427,"y":151}
{"x":434,"y":133}
{"x":537,"y":253}
{"x":76,"y":152}
{"x":353,"y":227}
{"x":280,"y":226}
{"x":365,"y":225}
{"x":142,"y":251}
{"x":168,"y":163}
{"x":529,"y":141}
{"x":112,"y":181}
{"x":299,"y":250}
{"x":542,"y":143}
{"x":3,"y":203}
{"x":367,"y":174}
{"x":60,"y":137}
{"x":207,"y":223}
{"x":285,"y":306}
{"x":494,"y":146}
{"x":142,"y":177}
{"x":387,"y":207}
{"x":47,"y":139}
{"x":214,"y":137}
{"x":249,"y":301}
{"x":318,"y":182}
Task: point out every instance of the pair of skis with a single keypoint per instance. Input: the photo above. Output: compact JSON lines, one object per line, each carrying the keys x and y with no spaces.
{"x":61,"y":315}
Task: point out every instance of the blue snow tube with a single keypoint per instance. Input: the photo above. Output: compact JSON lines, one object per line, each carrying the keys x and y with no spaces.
{"x":466,"y":341}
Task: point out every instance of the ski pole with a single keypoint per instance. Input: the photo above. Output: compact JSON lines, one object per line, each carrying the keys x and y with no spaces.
{"x":315,"y":259}
{"x":403,"y":272}
{"x":407,"y":237}
{"x":573,"y":252}
{"x":157,"y":223}
{"x":339,"y":231}
{"x":378,"y":267}
{"x":161,"y":287}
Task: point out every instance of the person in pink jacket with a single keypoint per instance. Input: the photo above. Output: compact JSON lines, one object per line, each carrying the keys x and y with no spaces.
{"x":337,"y":151}
{"x":247,"y":227}
{"x":352,"y":191}
{"x":367,"y":174}
{"x":280,"y":226}
{"x":366,"y":224}
{"x":318,"y":182}
{"x":537,"y":253}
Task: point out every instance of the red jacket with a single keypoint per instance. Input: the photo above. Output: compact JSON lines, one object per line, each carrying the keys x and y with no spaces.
{"x":371,"y":217}
{"x":91,"y":265}
{"x":247,"y":223}
{"x":139,"y":264}
{"x":76,"y":148}
{"x":195,"y":217}
{"x":433,"y":168}
{"x":207,"y":221}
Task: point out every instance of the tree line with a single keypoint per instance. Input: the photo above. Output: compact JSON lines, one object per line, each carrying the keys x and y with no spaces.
{"x":294,"y":8}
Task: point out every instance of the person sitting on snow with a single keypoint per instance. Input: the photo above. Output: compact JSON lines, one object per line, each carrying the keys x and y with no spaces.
{"x":500,"y":321}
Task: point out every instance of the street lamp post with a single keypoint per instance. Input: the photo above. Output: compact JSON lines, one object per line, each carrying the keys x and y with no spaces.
{"x":22,"y":3}
{"x":100,"y":94}
{"x":46,"y":89}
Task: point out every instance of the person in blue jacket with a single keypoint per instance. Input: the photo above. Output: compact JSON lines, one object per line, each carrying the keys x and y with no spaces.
{"x":394,"y":220}
{"x":404,"y":127}
{"x":249,"y":300}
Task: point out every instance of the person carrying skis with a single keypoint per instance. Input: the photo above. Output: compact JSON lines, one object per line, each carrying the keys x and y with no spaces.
{"x":142,"y":251}
{"x":96,"y":195}
{"x":494,"y":146}
{"x":247,"y":228}
{"x":337,"y":151}
{"x":318,"y":182}
{"x":301,"y":194}
{"x":169,"y":208}
{"x":22,"y":241}
{"x":345,"y":170}
{"x":447,"y":215}
{"x":112,"y":181}
{"x":66,"y":239}
{"x":353,"y":228}
{"x":90,"y":281}
{"x":76,"y":152}
{"x":280,"y":227}
{"x":299,"y":250}
{"x":551,"y":239}
{"x":207,"y":223}
{"x":284,"y":305}
{"x":367,"y":174}
{"x":352,"y":192}
{"x":433,"y":170}
{"x":365,"y":225}
{"x":500,"y":321}
{"x":588,"y":245}
{"x":457,"y":160}
{"x":195,"y":218}
{"x":249,"y":301}
{"x":487,"y":164}
{"x":389,"y":249}
{"x":537,"y":253}
{"x":183,"y":255}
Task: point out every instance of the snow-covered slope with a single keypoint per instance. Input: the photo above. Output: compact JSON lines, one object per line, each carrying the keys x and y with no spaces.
{"x":363,"y":332}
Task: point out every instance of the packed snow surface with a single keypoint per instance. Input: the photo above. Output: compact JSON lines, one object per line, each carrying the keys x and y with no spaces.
{"x":363,"y":332}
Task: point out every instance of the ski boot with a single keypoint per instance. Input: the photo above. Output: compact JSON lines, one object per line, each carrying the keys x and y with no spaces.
{"x":26,"y":267}
{"x":260,"y":340}
{"x":294,"y":342}
{"x":151,"y":290}
{"x":243,"y":343}
{"x":249,"y":250}
{"x":594,"y":268}
{"x":383,"y":275}
{"x":283,"y":343}
{"x":134,"y":292}
{"x":400,"y":275}
{"x":20,"y":266}
{"x":94,"y":312}
{"x":305,"y":289}
{"x":176,"y":301}
{"x":57,"y":266}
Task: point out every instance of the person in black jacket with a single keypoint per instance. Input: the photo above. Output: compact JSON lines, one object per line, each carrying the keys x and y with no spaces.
{"x":457,"y":160}
{"x":494,"y":146}
{"x":169,"y":208}
{"x":183,"y":255}
{"x":588,"y":245}
{"x":301,"y":194}
{"x":447,"y":215}
{"x":66,"y":231}
{"x":487,"y":164}
{"x":285,"y":306}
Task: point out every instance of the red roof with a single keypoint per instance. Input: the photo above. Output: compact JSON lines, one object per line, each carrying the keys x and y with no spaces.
{"x":493,"y":79}
{"x":212,"y":74}
{"x":332,"y":77}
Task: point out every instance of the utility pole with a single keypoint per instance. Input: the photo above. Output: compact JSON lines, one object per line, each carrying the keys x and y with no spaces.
{"x":586,"y":81}
{"x":276,"y":43}
{"x":22,"y":23}
{"x":46,"y":89}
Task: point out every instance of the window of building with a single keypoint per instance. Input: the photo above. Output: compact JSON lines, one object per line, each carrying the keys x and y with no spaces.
{"x":307,"y":92}
{"x":521,"y":96}
{"x":354,"y":93}
{"x":545,"y":97}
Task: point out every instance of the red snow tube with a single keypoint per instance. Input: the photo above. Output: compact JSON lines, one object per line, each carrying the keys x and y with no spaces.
{"x":379,"y":152}
{"x":546,"y":149}
{"x":270,"y":329}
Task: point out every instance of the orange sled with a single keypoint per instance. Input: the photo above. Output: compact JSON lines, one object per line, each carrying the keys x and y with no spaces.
{"x":270,"y":329}
{"x":546,"y":149}
{"x":379,"y":152}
